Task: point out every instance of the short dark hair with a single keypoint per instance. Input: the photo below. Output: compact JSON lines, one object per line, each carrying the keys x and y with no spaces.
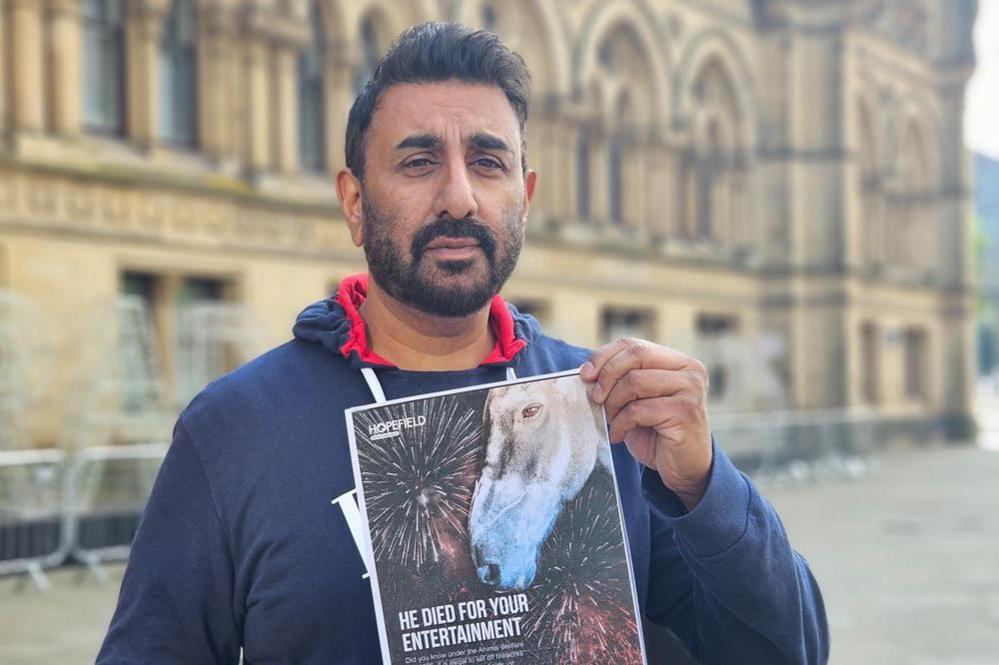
{"x":433,"y":52}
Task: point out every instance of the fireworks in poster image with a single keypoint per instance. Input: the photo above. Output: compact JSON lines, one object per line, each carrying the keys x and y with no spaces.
{"x":495,"y":527}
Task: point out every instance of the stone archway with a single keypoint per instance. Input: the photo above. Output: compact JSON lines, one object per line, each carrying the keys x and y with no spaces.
{"x":619,"y":57}
{"x":715,"y":171}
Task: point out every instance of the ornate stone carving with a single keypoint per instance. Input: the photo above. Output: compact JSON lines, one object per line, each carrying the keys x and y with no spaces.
{"x":41,"y":199}
{"x":70,"y":8}
{"x":277,"y":26}
{"x":902,"y":21}
{"x":80,"y":205}
{"x":8,"y":192}
{"x":167,"y":216}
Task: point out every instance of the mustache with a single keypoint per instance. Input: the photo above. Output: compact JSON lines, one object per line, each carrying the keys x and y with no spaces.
{"x":447,"y":227}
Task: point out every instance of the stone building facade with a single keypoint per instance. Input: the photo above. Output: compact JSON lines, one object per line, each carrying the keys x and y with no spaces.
{"x":782,"y":170}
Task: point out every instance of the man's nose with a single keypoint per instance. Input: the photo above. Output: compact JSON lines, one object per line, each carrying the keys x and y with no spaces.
{"x":456,"y":198}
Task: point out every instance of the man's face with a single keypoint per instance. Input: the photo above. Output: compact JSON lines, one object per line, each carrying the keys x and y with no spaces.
{"x":444,"y":198}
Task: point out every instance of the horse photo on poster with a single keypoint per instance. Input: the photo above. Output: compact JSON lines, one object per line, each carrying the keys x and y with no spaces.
{"x":494,"y":527}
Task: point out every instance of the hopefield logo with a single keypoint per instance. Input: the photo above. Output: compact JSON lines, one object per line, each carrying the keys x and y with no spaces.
{"x":391,"y":428}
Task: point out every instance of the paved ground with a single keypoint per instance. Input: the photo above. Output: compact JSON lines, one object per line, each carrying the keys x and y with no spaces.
{"x":62,"y":627}
{"x":908,"y":558}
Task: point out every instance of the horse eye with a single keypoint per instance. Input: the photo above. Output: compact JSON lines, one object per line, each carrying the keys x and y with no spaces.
{"x":531,"y":410}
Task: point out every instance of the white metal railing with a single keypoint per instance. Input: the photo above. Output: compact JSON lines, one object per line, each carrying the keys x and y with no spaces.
{"x":48,"y":485}
{"x":813,"y":445}
{"x":88,"y":472}
{"x":31,"y":492}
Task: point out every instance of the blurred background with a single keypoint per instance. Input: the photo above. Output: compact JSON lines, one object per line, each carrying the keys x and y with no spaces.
{"x":803,"y":194}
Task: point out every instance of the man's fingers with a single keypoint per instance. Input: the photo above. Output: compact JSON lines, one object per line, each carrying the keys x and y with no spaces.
{"x":613,"y":361}
{"x":652,"y":412}
{"x":591,"y":368}
{"x":645,"y":383}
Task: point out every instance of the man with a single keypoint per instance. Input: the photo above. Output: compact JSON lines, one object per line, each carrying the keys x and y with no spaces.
{"x":246,"y":540}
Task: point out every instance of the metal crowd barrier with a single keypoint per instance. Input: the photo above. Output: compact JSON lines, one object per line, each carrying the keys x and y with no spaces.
{"x":54,"y":507}
{"x":813,"y":445}
{"x":106,"y":491}
{"x":31,"y":512}
{"x":777,"y":435}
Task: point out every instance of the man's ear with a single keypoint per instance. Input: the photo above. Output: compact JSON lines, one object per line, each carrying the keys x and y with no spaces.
{"x":348,"y":190}
{"x":530,"y":182}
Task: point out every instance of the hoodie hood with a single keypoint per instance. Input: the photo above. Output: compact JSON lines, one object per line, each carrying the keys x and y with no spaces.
{"x":336,"y":324}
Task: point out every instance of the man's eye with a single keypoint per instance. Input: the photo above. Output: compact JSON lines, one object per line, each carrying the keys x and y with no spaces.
{"x":419,"y":162}
{"x":488,"y":162}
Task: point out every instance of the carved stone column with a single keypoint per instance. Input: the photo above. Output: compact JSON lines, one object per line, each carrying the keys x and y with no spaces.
{"x":29,"y":73}
{"x":217,"y":74}
{"x":274,"y":42}
{"x":339,"y":90}
{"x":4,"y":41}
{"x":546,"y":136}
{"x":258,"y":156}
{"x":66,"y":72}
{"x":819,"y":321}
{"x":560,"y":167}
{"x":285,"y":74}
{"x":145,"y":19}
{"x":287,"y":47}
{"x":636,"y":164}
{"x":537,"y":132}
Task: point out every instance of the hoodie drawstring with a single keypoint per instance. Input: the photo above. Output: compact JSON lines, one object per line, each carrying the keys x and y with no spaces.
{"x":373,"y":385}
{"x":376,"y":387}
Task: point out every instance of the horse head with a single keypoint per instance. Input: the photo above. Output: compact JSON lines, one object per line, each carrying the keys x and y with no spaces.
{"x":543,"y":444}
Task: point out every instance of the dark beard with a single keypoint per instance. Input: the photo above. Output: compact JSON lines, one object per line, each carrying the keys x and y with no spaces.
{"x":403,"y":279}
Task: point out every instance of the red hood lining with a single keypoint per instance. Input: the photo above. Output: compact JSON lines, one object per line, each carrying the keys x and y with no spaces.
{"x":354,"y":289}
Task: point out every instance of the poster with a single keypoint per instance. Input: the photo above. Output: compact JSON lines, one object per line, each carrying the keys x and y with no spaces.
{"x":495,"y":528}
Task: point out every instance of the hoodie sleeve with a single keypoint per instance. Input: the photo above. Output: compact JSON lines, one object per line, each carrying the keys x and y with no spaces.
{"x":175,"y":605}
{"x":746,"y":596}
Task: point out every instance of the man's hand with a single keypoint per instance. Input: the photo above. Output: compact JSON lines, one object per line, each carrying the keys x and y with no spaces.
{"x":656,"y":403}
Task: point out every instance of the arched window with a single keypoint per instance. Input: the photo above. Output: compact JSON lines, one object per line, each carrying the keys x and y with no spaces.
{"x":688,"y":195}
{"x":311,"y":116}
{"x":713,"y":184}
{"x":371,"y":52}
{"x":615,"y":177}
{"x":104,"y":66}
{"x":624,"y":98}
{"x":705,"y":178}
{"x":718,"y":168}
{"x":488,"y":16}
{"x":870,"y":351}
{"x":583,"y":173}
{"x":178,"y":75}
{"x":614,"y":181}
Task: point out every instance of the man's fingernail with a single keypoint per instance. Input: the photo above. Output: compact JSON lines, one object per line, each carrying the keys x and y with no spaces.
{"x":586,"y":369}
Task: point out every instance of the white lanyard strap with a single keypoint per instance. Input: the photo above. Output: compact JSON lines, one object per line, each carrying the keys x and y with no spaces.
{"x":373,"y":385}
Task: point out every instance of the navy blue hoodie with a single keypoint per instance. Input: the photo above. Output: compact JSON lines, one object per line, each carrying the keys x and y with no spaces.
{"x":245,"y":541}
